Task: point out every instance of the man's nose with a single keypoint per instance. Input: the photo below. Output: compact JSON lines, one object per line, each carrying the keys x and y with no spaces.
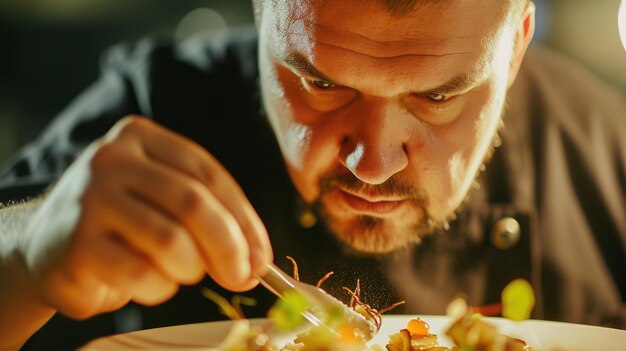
{"x":375,"y":148}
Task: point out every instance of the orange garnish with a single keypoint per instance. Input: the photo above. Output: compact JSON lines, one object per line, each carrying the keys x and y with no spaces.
{"x":418,"y":327}
{"x":347,"y":334}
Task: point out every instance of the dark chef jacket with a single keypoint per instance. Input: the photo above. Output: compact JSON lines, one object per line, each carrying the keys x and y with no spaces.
{"x":551,"y":206}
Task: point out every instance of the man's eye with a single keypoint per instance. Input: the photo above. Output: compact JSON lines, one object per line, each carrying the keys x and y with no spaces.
{"x":436,"y":97}
{"x":322,"y":84}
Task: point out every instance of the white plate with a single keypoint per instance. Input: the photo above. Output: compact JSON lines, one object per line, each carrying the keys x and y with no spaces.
{"x":540,"y":335}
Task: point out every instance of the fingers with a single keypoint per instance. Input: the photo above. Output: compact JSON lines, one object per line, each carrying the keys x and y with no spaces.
{"x":122,"y":269}
{"x":181,"y":155}
{"x":146,"y":210}
{"x":197,"y":163}
{"x":157,"y":236}
{"x":213,"y":228}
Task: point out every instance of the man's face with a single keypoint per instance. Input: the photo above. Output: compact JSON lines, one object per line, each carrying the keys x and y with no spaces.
{"x":384,"y":120}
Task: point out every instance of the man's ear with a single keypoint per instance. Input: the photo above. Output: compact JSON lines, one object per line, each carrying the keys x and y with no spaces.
{"x":523,"y":35}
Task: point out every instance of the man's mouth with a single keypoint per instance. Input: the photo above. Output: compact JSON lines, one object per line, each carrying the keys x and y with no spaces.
{"x":370,"y":205}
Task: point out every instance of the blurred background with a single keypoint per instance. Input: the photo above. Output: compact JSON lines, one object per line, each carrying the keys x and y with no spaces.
{"x":50,"y":48}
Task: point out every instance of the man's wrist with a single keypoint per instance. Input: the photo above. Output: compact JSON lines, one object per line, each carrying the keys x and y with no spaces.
{"x":22,"y":311}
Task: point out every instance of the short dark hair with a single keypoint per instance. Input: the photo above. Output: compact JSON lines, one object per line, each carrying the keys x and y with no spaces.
{"x":405,"y":7}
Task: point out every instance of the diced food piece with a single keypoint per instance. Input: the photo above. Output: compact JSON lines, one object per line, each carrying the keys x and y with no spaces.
{"x":424,"y":342}
{"x":406,"y":341}
{"x":400,"y":341}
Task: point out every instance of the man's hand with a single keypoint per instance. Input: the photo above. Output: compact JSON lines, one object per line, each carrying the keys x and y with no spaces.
{"x":142,"y":211}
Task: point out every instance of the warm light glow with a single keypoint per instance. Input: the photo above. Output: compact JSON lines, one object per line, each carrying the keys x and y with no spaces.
{"x":621,"y":22}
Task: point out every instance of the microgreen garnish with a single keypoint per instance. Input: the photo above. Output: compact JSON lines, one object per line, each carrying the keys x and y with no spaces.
{"x":286,"y":313}
{"x":366,"y":310}
{"x":518,"y":300}
{"x":230,"y":309}
{"x":323,"y":279}
{"x":296,"y":275}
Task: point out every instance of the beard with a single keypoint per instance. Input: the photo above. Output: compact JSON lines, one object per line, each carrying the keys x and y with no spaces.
{"x":376,"y":235}
{"x":371,"y":234}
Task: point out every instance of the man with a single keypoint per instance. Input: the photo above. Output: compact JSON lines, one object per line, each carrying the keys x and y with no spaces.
{"x":383,"y":113}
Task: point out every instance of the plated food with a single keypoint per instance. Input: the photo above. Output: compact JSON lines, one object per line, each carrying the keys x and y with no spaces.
{"x":464,"y":329}
{"x":208,"y":336}
{"x":468,"y":331}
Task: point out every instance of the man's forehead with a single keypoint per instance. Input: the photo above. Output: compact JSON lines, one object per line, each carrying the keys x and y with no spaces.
{"x":349,"y":38}
{"x":371,"y":22}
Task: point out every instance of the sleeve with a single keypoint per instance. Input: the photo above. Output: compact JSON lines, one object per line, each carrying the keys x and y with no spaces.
{"x":176,"y":84}
{"x":41,"y":162}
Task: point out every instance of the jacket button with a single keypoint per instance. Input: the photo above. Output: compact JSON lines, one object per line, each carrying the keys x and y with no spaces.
{"x":505,"y":233}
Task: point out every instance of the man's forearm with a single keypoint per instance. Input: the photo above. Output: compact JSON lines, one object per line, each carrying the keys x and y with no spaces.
{"x":21,"y":312}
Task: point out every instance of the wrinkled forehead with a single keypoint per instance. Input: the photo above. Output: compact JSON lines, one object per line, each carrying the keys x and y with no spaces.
{"x":371,"y":27}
